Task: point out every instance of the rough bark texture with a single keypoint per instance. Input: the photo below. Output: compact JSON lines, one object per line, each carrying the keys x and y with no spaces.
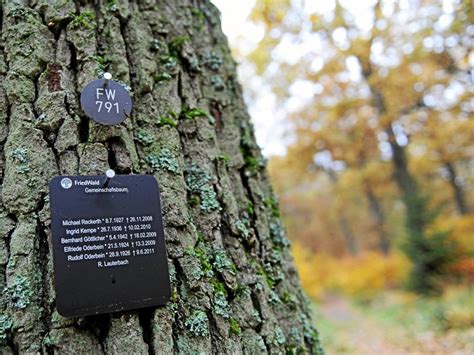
{"x":235,"y":289}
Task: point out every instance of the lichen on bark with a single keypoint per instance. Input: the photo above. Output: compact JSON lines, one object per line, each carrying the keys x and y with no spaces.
{"x":234,"y":285}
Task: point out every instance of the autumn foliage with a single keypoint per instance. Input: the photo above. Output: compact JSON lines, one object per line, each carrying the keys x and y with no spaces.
{"x":381,"y":156}
{"x":360,"y":277}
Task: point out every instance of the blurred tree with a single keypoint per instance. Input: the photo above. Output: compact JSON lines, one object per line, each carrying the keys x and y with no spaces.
{"x":381,"y":82}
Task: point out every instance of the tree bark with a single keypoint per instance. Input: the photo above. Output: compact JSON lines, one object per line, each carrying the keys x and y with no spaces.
{"x":234,"y":285}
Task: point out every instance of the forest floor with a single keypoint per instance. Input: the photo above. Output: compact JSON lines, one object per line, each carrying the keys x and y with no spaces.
{"x":397,"y":324}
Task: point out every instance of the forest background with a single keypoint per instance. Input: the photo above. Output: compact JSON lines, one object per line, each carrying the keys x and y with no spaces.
{"x":365,"y":112}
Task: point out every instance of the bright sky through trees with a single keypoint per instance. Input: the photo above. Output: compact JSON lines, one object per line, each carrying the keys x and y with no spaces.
{"x":269,"y":113}
{"x":243,"y":36}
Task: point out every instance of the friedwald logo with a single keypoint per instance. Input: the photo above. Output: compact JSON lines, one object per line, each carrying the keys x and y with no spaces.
{"x":66,"y":183}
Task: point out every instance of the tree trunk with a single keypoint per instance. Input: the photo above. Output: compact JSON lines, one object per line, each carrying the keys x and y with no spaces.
{"x":459,"y":195}
{"x":234,"y":286}
{"x":379,"y":217}
{"x":348,"y":235}
{"x":415,"y":203}
{"x":428,"y":255}
{"x":344,"y":225}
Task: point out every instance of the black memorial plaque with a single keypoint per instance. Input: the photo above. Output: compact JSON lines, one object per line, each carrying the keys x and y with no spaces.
{"x":108,"y":244}
{"x":106,"y":102}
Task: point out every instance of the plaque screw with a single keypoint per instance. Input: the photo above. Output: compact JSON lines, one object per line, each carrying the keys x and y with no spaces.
{"x":107,"y":77}
{"x":109,"y":174}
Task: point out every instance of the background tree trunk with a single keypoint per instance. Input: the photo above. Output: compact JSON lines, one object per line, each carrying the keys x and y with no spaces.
{"x":458,"y":191}
{"x":379,"y":218}
{"x":235,"y":288}
{"x":344,"y":225}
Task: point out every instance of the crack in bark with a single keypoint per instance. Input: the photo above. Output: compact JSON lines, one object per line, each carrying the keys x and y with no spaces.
{"x":49,"y":141}
{"x":99,"y":325}
{"x":213,"y":331}
{"x":174,"y":325}
{"x":1,"y":25}
{"x":145,"y":317}
{"x":7,"y":238}
{"x":112,"y":159}
{"x":131,"y":67}
{"x":253,"y":217}
{"x":43,"y":258}
{"x":256,"y":306}
{"x":83,"y":125}
{"x":7,"y":101}
{"x":12,"y":346}
{"x":4,"y":157}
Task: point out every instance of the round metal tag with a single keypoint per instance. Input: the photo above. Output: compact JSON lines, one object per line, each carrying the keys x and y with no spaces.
{"x":106,"y":102}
